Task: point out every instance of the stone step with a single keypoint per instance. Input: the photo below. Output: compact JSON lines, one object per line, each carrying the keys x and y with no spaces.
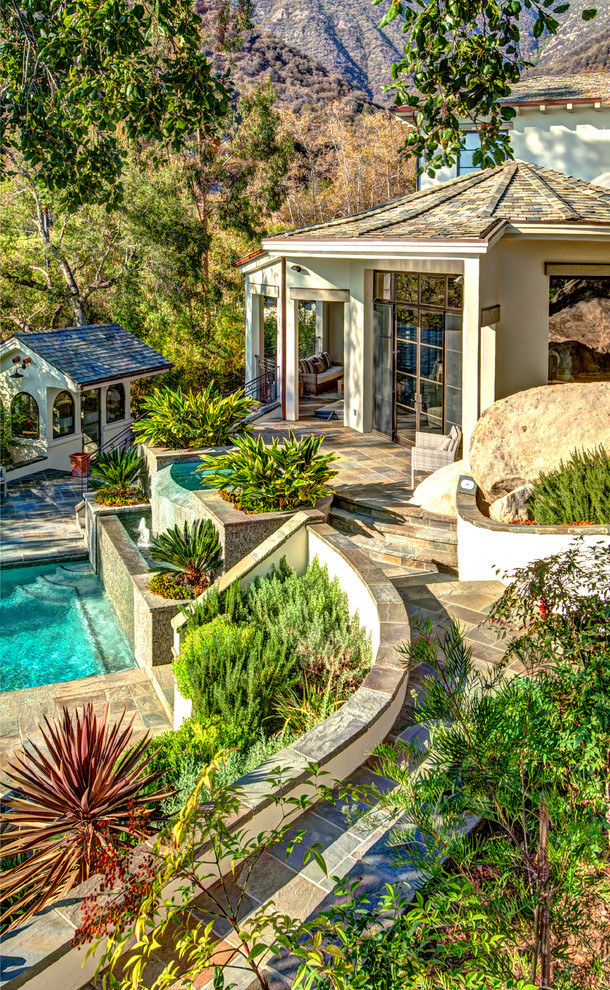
{"x":381,"y":550}
{"x":420,"y":534}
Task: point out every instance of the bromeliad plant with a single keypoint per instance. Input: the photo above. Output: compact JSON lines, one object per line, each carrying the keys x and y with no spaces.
{"x":257,"y":478}
{"x":184,"y":420}
{"x":116,"y":475}
{"x":90,"y":794}
{"x":192,"y":552}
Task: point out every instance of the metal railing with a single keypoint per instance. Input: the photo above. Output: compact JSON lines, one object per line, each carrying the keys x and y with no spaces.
{"x":263,"y":387}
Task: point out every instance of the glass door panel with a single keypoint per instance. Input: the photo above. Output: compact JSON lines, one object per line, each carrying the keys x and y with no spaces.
{"x":383,"y":378}
{"x":90,"y":419}
{"x":453,"y":370}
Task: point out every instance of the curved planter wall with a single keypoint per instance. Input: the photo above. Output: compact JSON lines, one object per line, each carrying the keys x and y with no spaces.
{"x":41,"y":950}
{"x":487,"y":549}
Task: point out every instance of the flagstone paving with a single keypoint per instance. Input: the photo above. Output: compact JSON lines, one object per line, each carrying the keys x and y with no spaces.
{"x":37,"y":518}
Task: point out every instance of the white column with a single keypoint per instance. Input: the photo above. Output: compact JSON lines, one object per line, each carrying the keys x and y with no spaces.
{"x":470,"y":351}
{"x":358,"y":351}
{"x":292,"y":360}
{"x":488,"y":367}
{"x":251,"y":331}
{"x":320,"y":335}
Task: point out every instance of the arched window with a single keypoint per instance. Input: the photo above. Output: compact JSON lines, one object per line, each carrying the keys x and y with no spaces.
{"x":115,"y":403}
{"x":63,"y":415}
{"x":24,"y":416}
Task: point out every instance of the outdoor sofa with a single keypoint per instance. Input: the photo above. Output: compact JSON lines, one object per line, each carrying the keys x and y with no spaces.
{"x":318,"y":373}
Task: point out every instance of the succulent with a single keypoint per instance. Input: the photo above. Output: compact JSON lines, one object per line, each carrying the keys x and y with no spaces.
{"x":74,"y":798}
{"x":195,"y":550}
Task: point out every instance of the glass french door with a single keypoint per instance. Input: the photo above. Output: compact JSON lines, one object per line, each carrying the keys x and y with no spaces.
{"x":91,"y":426}
{"x":418,"y":354}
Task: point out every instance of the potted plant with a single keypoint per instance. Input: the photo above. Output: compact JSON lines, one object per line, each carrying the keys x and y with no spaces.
{"x":115,"y":475}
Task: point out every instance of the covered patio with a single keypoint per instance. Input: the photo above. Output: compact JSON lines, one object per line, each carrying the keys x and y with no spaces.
{"x":436,"y":304}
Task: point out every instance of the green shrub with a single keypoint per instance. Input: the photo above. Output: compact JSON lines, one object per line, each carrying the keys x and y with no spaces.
{"x":109,"y":495}
{"x":233,"y":671}
{"x":194,"y":550}
{"x":185,"y":420}
{"x":577,"y":491}
{"x":170,"y":585}
{"x":258,"y":478}
{"x":118,"y":468}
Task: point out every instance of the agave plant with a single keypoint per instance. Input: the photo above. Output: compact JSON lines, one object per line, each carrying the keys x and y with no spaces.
{"x":258,"y":478}
{"x":73,"y":802}
{"x":194,"y":550}
{"x":189,"y":420}
{"x":118,"y":468}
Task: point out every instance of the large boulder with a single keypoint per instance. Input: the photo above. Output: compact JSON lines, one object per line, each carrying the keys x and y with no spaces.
{"x":437,"y":492}
{"x":529,"y":433}
{"x":514,"y":507}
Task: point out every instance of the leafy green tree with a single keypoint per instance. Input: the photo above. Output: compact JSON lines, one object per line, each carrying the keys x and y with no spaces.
{"x":462,"y":57}
{"x":77,"y":74}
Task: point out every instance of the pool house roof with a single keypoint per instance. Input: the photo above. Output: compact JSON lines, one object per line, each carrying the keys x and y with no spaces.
{"x":94,"y":354}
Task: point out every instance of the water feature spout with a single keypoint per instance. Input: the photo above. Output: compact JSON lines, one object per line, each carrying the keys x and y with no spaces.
{"x":143,"y":539}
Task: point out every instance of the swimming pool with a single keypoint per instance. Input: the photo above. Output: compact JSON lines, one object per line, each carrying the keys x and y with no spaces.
{"x":57,"y":624}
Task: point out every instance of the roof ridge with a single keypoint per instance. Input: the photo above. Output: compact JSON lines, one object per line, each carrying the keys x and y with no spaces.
{"x":540,"y":180}
{"x":475,"y":179}
{"x":499,"y":187}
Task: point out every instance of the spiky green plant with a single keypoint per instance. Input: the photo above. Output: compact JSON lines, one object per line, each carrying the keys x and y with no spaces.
{"x":193,"y":419}
{"x":76,"y":796}
{"x":260,"y":478}
{"x":194,"y":550}
{"x":577,"y":491}
{"x":118,"y":468}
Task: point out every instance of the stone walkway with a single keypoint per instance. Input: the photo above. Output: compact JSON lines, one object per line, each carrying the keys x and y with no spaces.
{"x":37,"y":518}
{"x":21,"y":712}
{"x":353,"y":837}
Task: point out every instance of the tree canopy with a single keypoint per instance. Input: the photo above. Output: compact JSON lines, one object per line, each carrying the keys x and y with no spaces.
{"x":461,"y":58}
{"x":75,"y":73}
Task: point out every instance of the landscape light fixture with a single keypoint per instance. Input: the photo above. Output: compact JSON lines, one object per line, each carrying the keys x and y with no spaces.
{"x":16,"y":374}
{"x":296,"y":268}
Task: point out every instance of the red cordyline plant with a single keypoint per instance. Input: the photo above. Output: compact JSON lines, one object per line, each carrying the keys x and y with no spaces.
{"x":86,"y":795}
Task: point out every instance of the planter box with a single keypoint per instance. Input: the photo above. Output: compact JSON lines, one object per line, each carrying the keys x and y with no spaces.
{"x":486,"y":546}
{"x":239,"y":532}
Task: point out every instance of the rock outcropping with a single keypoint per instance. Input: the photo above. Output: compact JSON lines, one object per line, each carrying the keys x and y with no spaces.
{"x":529,"y":433}
{"x":437,"y":492}
{"x":513,"y":508}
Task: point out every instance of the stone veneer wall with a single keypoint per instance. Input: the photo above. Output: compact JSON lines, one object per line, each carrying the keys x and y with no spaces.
{"x":487,"y":549}
{"x":146,"y":618}
{"x":338,"y":746}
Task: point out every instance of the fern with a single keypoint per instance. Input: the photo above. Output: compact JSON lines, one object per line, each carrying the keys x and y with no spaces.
{"x":577,"y":491}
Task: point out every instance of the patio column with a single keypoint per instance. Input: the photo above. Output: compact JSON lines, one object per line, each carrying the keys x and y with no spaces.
{"x":291,"y":384}
{"x":255,"y":328}
{"x":470,"y":352}
{"x":320,"y":325}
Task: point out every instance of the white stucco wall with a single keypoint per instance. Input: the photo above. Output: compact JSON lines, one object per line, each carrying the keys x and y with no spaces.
{"x":45,"y":383}
{"x":576,"y":143}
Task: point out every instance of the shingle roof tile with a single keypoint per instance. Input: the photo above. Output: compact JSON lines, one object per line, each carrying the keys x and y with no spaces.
{"x":95,"y":353}
{"x":467,"y":207}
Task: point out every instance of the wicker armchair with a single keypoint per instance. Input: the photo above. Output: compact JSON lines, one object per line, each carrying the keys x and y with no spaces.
{"x":432,"y":451}
{"x":3,"y":484}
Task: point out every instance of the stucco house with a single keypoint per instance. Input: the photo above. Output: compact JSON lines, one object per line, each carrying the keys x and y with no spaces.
{"x":562,"y":122}
{"x":69,"y":390}
{"x":436,"y":304}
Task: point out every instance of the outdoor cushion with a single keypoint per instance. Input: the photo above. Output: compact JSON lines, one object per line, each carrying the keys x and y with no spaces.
{"x":306,"y":366}
{"x":446,"y":444}
{"x":326,"y":358}
{"x":318,"y":363}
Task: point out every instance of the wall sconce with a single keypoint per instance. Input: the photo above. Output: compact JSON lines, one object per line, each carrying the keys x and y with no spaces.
{"x":296,"y":268}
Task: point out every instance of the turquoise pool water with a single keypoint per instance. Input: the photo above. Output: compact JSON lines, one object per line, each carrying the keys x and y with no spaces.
{"x":57,"y":624}
{"x":185,"y":474}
